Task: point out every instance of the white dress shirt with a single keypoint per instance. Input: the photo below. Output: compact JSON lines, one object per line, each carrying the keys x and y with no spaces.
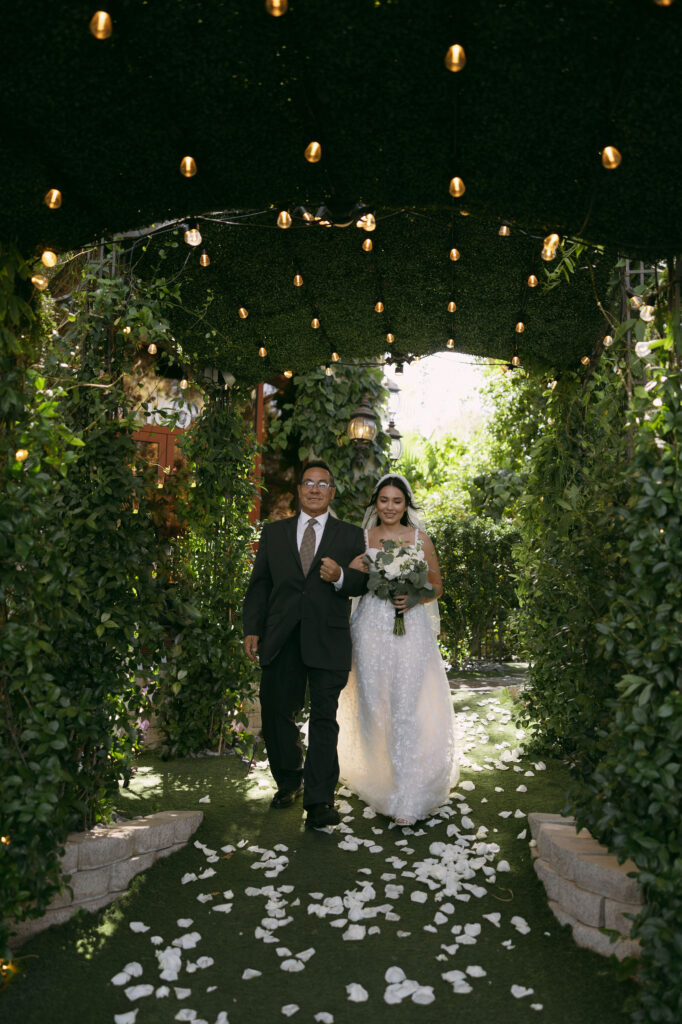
{"x":321,"y":520}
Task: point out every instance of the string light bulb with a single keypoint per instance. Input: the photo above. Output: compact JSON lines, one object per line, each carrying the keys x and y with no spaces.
{"x":646,"y":313}
{"x":328,"y":370}
{"x":549,"y":247}
{"x":284,"y":219}
{"x":39,"y":281}
{"x":262,"y":351}
{"x":504,"y":231}
{"x":367,"y":245}
{"x":451,"y":343}
{"x":455,"y":58}
{"x":315,"y":323}
{"x":452,"y":306}
{"x":100,"y":25}
{"x":53,"y":199}
{"x":5,"y":840}
{"x":188,"y":167}
{"x":520,"y":327}
{"x":277,"y":7}
{"x":313,"y":152}
{"x":298,"y":280}
{"x":367,"y":222}
{"x":585,"y":360}
{"x":49,"y":258}
{"x":243,"y":312}
{"x":379,"y":307}
{"x":608,"y":341}
{"x":308,"y":217}
{"x":516,"y":361}
{"x":288,"y":374}
{"x":635,"y":302}
{"x":335,"y":357}
{"x":204,"y":259}
{"x":21,"y":454}
{"x":193,"y":236}
{"x":611,"y":158}
{"x":390,"y":338}
{"x":152,"y":349}
{"x":184,"y":383}
{"x":455,"y":254}
{"x":127,"y":329}
{"x":532,"y":281}
{"x":456,"y":187}
{"x":664,"y":3}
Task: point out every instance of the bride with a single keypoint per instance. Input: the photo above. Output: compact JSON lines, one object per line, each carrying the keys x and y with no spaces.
{"x":396,"y":721}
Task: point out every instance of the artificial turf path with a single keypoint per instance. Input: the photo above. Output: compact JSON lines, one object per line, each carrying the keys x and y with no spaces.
{"x":249,"y":922}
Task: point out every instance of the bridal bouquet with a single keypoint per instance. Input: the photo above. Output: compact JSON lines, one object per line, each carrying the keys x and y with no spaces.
{"x":398,"y":569}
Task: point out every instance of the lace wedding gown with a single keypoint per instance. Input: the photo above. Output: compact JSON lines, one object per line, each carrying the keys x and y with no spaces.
{"x":396,"y":721}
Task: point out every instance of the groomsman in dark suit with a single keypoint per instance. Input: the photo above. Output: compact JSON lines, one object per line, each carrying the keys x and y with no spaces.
{"x":296,"y":620}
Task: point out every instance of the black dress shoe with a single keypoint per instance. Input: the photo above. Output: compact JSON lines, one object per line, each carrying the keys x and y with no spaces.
{"x":286,"y":797}
{"x":322,"y":816}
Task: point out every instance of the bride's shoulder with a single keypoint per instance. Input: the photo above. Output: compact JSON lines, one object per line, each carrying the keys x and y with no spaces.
{"x":425,"y":540}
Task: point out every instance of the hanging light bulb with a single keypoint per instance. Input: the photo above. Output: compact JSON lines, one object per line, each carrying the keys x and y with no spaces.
{"x":314,"y":323}
{"x":100,"y":25}
{"x":284,"y":219}
{"x":390,"y":338}
{"x":335,"y":357}
{"x":188,"y":167}
{"x":549,"y":247}
{"x":455,"y":58}
{"x":48,"y":258}
{"x":204,"y":259}
{"x":532,"y":281}
{"x":367,"y":245}
{"x":262,"y":351}
{"x":585,"y":360}
{"x":452,"y":306}
{"x":451,"y":343}
{"x":39,"y":281}
{"x":520,"y":327}
{"x":152,"y":349}
{"x":313,"y":152}
{"x":379,"y":307}
{"x":664,"y":3}
{"x":21,"y":454}
{"x":455,"y":254}
{"x":308,"y":217}
{"x":298,"y":280}
{"x":611,"y":158}
{"x":505,"y":231}
{"x":464,"y":213}
{"x":516,"y":361}
{"x":288,"y":374}
{"x":328,"y":370}
{"x":646,"y":313}
{"x":243,"y":312}
{"x":608,"y":341}
{"x":193,"y":236}
{"x":635,"y":302}
{"x":277,"y":7}
{"x":127,"y":329}
{"x":367,"y":222}
{"x":53,"y":199}
{"x":184,"y":383}
{"x":456,"y":187}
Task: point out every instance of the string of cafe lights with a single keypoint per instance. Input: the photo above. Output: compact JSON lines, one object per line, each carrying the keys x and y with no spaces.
{"x":101,"y":28}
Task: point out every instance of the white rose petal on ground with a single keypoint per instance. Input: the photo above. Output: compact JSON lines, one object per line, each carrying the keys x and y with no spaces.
{"x":418,"y":896}
{"x":139,"y":991}
{"x":522,"y":788}
{"x":519,"y":992}
{"x":186,"y":1014}
{"x":521,"y":925}
{"x":536,"y":1006}
{"x":205,"y":961}
{"x":189,"y":876}
{"x":138,"y":926}
{"x":133,"y":969}
{"x":324,"y":1018}
{"x":476,"y":972}
{"x":518,"y":813}
{"x":356,"y":993}
{"x":292,"y":964}
{"x":222,"y":908}
{"x":290,"y":1009}
{"x":182,"y":993}
{"x":208,"y":873}
{"x":466,"y":785}
{"x":523,"y":834}
{"x":503,"y":865}
{"x":125,"y":1018}
{"x":306,"y":954}
{"x":250,"y":973}
{"x":156,"y":940}
{"x":184,"y":922}
{"x":222,"y":1018}
{"x":354,"y":932}
{"x":162,"y":991}
{"x":504,"y":814}
{"x":394,"y":975}
{"x":424,"y":995}
{"x":205,"y":800}
{"x":120,"y":979}
{"x":493,"y":918}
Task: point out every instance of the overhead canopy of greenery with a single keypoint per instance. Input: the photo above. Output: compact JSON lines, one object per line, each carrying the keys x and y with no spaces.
{"x":545,"y":88}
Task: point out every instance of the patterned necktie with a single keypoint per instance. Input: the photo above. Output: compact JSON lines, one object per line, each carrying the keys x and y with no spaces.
{"x":307,"y":548}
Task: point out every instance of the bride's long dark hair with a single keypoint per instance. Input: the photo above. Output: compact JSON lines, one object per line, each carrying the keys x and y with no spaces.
{"x":395,"y":481}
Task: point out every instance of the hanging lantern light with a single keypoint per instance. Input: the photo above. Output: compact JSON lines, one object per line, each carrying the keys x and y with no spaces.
{"x":455,"y":58}
{"x":646,"y":313}
{"x":39,"y":281}
{"x":664,"y":3}
{"x":390,"y":338}
{"x":367,"y":222}
{"x":184,"y":383}
{"x":636,"y":302}
{"x":276,"y":7}
{"x":298,"y":280}
{"x":516,"y":361}
{"x":396,"y":449}
{"x":520,"y":327}
{"x":456,"y":187}
{"x":288,"y":374}
{"x":362,"y":426}
{"x":549,"y":247}
{"x":53,"y":199}
{"x":49,"y":258}
{"x":21,"y":454}
{"x":313,"y":152}
{"x":611,"y":158}
{"x":152,"y":349}
{"x":452,"y":306}
{"x":532,"y":281}
{"x":328,"y":371}
{"x":608,"y":341}
{"x":585,"y":360}
{"x":308,"y":217}
{"x":100,"y":25}
{"x":127,"y":329}
{"x":188,"y":167}
{"x":315,"y":323}
{"x":262,"y":351}
{"x":504,"y":231}
{"x":335,"y":357}
{"x":243,"y":312}
{"x":379,"y":306}
{"x":451,"y":343}
{"x":367,"y":245}
{"x":284,"y":219}
{"x":204,"y":259}
{"x":193,"y":236}
{"x":455,"y":255}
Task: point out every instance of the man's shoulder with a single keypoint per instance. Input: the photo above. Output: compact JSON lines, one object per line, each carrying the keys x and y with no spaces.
{"x":347,"y":527}
{"x":279,"y":527}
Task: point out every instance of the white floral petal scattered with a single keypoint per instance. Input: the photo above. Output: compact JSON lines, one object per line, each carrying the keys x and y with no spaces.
{"x":139,"y":991}
{"x":205,"y":799}
{"x":120,"y":979}
{"x":324,"y":1018}
{"x":162,"y":991}
{"x":519,"y":992}
{"x":125,"y":1018}
{"x":250,"y":973}
{"x":184,"y":922}
{"x":138,"y":926}
{"x":536,"y":1006}
{"x":290,"y":1009}
{"x":394,"y":975}
{"x":182,"y":993}
{"x":186,"y":1014}
{"x":424,"y":995}
{"x":356,"y":993}
{"x":292,"y":964}
{"x":521,"y":925}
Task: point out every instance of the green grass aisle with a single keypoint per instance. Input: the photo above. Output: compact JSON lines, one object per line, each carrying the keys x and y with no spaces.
{"x":258,"y":920}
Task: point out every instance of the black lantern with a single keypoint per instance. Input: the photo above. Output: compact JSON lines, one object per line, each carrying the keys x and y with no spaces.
{"x":362,"y":426}
{"x":396,"y":449}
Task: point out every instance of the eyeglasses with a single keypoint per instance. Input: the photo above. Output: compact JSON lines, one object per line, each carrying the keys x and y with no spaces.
{"x":322,"y":484}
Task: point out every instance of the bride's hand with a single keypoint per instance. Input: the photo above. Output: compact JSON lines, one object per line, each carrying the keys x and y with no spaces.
{"x":359,"y":563}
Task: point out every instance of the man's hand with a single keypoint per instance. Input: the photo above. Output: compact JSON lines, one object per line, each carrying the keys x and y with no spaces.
{"x":359,"y":563}
{"x":330,"y":571}
{"x":251,"y":647}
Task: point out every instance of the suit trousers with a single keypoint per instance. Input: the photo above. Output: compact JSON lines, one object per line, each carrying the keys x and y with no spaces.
{"x":282,"y":696}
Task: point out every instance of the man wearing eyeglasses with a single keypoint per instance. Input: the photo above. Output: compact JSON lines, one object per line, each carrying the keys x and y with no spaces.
{"x":296,"y":613}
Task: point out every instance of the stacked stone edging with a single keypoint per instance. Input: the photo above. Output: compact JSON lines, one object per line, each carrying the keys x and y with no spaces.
{"x":586,"y":886}
{"x":99,"y":865}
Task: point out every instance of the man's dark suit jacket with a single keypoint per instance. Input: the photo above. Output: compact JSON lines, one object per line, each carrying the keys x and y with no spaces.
{"x":279,"y":596}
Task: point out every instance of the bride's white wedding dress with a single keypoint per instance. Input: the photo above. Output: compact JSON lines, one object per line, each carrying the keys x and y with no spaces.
{"x":396,"y":720}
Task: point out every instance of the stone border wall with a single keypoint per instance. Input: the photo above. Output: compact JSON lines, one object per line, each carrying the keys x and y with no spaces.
{"x":586,"y":886}
{"x":99,"y":865}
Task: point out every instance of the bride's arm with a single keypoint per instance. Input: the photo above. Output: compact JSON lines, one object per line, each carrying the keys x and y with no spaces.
{"x":434,"y":569}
